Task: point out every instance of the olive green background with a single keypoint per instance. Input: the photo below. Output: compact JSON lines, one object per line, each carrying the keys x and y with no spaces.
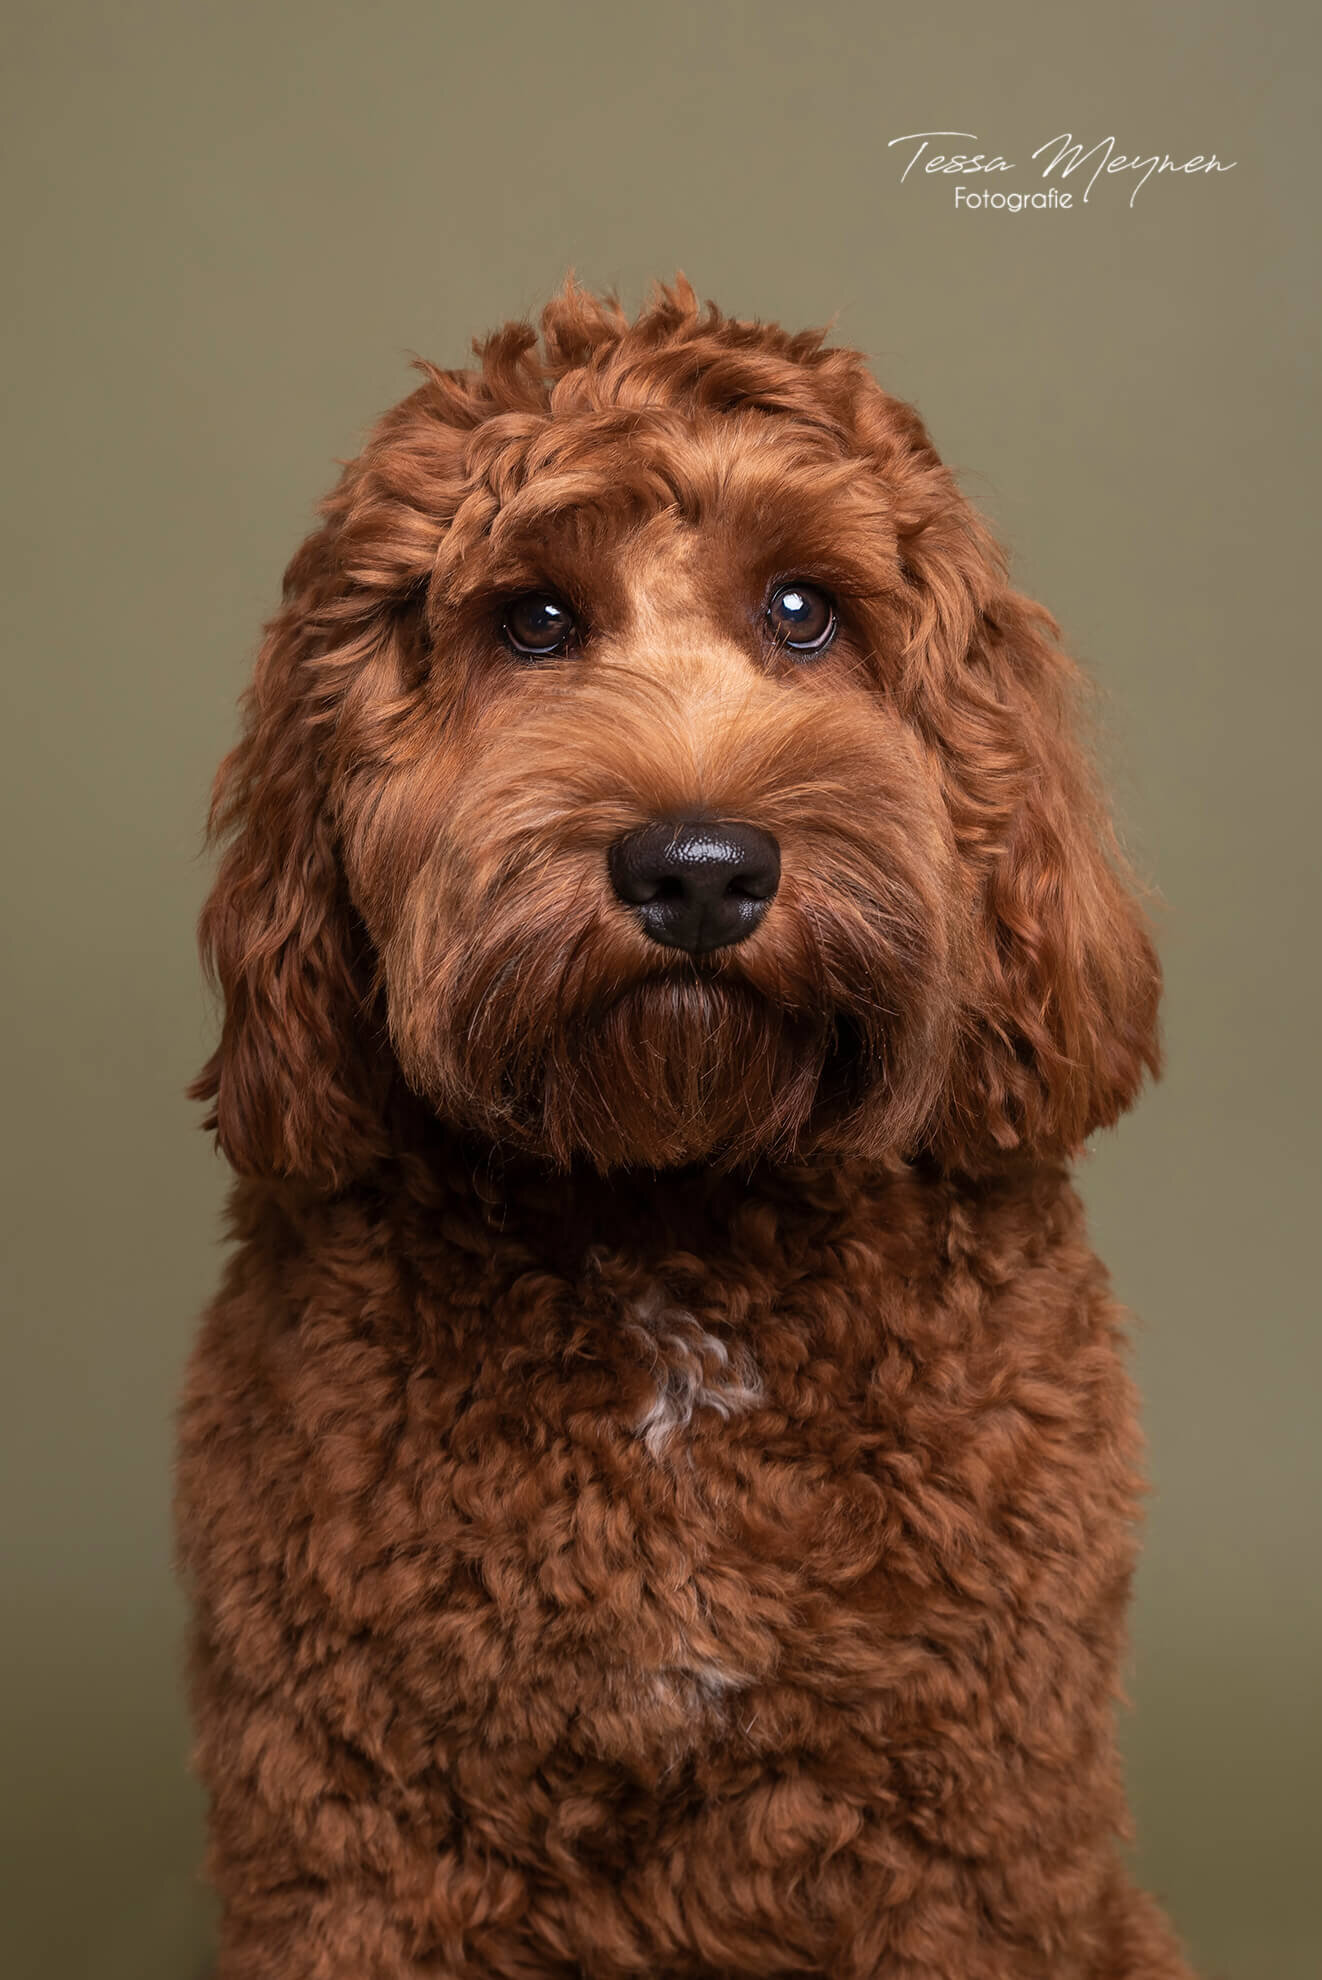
{"x":229,"y":226}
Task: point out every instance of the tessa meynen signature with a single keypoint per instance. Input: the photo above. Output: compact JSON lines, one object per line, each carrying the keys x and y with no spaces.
{"x":1059,"y":151}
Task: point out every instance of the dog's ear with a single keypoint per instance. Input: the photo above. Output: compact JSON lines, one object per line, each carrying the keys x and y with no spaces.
{"x":293,"y":1083}
{"x":1059,"y":1021}
{"x":300,"y":1082}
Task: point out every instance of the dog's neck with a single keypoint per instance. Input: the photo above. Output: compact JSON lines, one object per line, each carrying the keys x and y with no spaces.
{"x":439,"y":1187}
{"x":565,"y":1218}
{"x":561,"y":1221}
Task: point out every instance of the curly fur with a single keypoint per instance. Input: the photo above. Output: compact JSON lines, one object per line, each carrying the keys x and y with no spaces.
{"x":658,"y":1481}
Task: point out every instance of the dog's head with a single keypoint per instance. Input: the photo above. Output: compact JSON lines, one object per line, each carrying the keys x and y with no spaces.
{"x":651,"y":763}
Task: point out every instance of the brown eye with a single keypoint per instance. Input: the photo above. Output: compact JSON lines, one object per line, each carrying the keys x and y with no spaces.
{"x":538,"y":625}
{"x":801,"y":617}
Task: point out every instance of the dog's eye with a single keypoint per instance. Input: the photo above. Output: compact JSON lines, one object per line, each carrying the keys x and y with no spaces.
{"x":538,"y":625}
{"x":801,"y":617}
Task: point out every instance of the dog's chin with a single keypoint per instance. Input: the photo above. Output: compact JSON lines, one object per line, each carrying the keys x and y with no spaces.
{"x":686,"y":1067}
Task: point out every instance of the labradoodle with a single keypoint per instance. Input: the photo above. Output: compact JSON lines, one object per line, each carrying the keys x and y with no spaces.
{"x":657,"y":1485}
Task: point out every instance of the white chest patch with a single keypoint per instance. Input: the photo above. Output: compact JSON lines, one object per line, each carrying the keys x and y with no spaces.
{"x":693,"y":1370}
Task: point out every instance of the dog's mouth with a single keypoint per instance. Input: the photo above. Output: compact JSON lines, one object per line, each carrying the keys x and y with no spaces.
{"x":722,"y":1069}
{"x":662,"y":1057}
{"x":711,"y":992}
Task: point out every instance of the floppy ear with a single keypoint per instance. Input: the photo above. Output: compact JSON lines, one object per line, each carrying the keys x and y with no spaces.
{"x":301,"y":1082}
{"x":294,"y":1083}
{"x":1059,"y":1023}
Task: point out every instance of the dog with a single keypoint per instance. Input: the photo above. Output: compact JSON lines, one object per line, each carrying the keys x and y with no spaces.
{"x":658,"y":1483}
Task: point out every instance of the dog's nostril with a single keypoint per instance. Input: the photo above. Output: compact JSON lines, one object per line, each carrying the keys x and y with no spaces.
{"x":752,"y":886}
{"x":696,"y":885}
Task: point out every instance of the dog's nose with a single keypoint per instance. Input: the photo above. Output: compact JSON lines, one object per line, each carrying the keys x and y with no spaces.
{"x":699,"y":885}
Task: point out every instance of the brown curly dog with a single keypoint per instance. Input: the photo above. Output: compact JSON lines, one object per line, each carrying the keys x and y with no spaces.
{"x":657,"y":1484}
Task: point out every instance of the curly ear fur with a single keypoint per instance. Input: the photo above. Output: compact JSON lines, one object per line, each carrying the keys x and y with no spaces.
{"x":1060,"y":1020}
{"x":292,"y":1080}
{"x":300,"y":1081}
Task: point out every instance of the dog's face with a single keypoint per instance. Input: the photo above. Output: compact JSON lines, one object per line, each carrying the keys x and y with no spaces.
{"x":654,"y":872}
{"x":651,"y":765}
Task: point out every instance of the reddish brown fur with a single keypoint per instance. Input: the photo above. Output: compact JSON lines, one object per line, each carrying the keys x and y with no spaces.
{"x":658,"y":1481}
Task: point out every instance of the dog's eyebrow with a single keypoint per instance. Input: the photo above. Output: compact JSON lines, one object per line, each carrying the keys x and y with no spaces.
{"x":783,"y":508}
{"x":574,"y":499}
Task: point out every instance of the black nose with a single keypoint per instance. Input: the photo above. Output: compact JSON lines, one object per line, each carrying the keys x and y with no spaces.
{"x":697,"y":886}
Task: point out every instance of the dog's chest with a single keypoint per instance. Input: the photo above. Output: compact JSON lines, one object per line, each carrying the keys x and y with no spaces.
{"x":657,"y":1517}
{"x":604,"y":1526}
{"x":623,"y":1534}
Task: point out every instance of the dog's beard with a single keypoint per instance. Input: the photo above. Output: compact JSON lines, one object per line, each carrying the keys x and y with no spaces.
{"x":680,"y":1068}
{"x":539,"y":1044}
{"x":676,"y":1069}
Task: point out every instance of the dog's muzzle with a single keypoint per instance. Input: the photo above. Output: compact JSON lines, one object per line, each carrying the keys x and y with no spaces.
{"x":696,"y":885}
